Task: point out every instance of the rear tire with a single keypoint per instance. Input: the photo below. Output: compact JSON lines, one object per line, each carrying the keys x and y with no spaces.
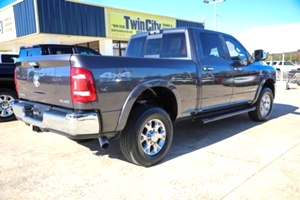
{"x":6,"y":98}
{"x":147,"y":137}
{"x":264,"y":106}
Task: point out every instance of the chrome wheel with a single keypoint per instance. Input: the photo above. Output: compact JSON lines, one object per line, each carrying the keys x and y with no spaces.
{"x":6,"y":105}
{"x":265,"y":105}
{"x":153,"y":137}
{"x":147,"y":136}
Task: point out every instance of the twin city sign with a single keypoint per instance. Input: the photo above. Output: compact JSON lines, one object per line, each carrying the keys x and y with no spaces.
{"x":123,"y":24}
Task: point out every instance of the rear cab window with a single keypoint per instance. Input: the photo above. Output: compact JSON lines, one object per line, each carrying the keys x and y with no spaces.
{"x":30,"y":51}
{"x":136,"y":47}
{"x":60,"y":50}
{"x":86,"y":51}
{"x":153,"y":45}
{"x":159,"y":45}
{"x":174,"y":45}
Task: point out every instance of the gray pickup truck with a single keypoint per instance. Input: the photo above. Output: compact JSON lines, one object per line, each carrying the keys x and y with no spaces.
{"x":166,"y":76}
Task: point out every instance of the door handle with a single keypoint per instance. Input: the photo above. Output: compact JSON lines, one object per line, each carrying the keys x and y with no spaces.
{"x":208,"y":68}
{"x":34,"y":64}
{"x":238,"y":69}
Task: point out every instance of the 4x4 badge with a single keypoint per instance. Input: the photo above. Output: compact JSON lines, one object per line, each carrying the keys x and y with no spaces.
{"x":36,"y":80}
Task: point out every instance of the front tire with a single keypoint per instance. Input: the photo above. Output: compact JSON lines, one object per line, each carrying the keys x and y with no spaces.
{"x":264,"y":106}
{"x":6,"y":98}
{"x":147,"y":136}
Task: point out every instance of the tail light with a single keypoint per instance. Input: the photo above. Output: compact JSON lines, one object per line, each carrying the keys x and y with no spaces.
{"x":16,"y":80}
{"x":82,"y":85}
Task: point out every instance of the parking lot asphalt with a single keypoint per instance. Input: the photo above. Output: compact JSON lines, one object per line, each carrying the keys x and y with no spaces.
{"x":234,"y":158}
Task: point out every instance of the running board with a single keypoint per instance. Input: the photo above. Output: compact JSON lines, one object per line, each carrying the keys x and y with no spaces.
{"x":223,"y":116}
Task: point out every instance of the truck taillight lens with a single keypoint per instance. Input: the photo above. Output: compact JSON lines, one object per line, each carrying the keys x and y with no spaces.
{"x":82,"y":85}
{"x":16,"y":80}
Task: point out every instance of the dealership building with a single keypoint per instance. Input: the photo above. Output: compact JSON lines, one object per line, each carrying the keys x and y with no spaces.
{"x":105,"y":29}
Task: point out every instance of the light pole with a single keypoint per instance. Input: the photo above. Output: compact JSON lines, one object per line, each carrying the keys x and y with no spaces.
{"x":215,"y":13}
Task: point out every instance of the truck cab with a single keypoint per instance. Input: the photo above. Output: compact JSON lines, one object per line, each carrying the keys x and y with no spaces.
{"x":227,"y":74}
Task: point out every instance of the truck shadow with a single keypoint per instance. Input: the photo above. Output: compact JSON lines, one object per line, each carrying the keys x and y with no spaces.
{"x":113,"y":151}
{"x":190,"y":136}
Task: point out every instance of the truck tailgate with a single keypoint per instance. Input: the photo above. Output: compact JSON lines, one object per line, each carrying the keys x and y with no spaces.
{"x":45,"y":79}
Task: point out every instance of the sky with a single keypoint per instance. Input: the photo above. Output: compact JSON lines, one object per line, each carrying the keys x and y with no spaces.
{"x":273,"y":25}
{"x":233,"y":16}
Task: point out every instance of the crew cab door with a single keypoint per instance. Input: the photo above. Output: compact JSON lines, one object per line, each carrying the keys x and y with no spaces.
{"x":246,"y":74}
{"x":214,"y":70}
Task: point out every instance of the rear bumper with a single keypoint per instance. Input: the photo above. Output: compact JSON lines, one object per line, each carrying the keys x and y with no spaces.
{"x":55,"y":119}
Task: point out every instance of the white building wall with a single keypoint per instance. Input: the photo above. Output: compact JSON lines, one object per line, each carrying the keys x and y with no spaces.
{"x":52,"y":40}
{"x":106,"y":47}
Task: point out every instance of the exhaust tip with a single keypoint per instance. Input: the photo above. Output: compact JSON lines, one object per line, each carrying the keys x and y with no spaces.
{"x":104,"y":144}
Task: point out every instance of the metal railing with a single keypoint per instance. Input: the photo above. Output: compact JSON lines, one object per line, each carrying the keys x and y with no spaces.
{"x":293,"y":79}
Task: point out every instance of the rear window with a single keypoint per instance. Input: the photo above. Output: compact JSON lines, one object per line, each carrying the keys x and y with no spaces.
{"x":288,"y":63}
{"x":136,"y":47}
{"x":8,"y":58}
{"x":168,"y":45}
{"x":61,"y":50}
{"x":28,"y":52}
{"x":86,"y":51}
{"x":153,"y":47}
{"x":174,"y":45}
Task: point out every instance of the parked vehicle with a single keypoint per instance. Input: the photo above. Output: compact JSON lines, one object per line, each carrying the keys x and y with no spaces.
{"x":166,"y":76}
{"x":7,"y":86}
{"x":293,"y":80}
{"x":8,"y":57}
{"x":283,"y":68}
{"x":55,"y":49}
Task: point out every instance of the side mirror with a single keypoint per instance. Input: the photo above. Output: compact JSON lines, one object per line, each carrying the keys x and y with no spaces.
{"x":260,"y":55}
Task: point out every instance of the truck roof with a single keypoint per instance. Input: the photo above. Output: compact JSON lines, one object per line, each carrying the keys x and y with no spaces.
{"x":177,"y":29}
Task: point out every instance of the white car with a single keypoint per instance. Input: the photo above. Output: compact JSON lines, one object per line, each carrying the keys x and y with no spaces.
{"x":285,"y":66}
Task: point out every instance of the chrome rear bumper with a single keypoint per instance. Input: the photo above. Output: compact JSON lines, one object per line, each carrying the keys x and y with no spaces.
{"x":56,"y":119}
